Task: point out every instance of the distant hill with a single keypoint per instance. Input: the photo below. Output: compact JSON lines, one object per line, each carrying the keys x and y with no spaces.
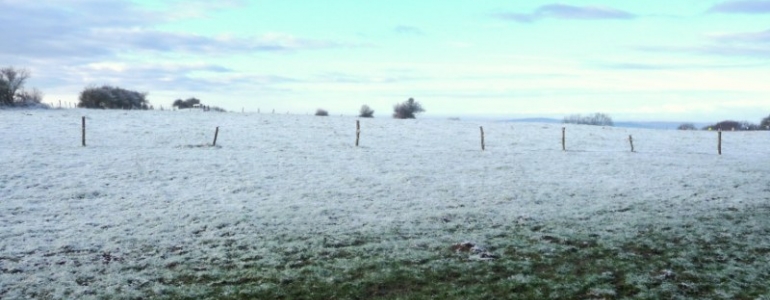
{"x":534,"y":120}
{"x":649,"y":125}
{"x":655,"y":125}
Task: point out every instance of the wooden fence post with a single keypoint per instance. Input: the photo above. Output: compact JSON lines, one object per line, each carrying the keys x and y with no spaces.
{"x":84,"y":131}
{"x":482,"y":138}
{"x":631,"y":141}
{"x":719,"y":141}
{"x":216,"y":133}
{"x":563,"y":139}
{"x":358,"y":131}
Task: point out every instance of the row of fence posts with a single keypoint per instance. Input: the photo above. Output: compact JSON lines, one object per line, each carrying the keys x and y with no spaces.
{"x":630,"y":140}
{"x":481,"y":129}
{"x":564,"y":139}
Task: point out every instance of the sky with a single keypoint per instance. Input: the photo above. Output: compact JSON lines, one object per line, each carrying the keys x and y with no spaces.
{"x":655,"y":60}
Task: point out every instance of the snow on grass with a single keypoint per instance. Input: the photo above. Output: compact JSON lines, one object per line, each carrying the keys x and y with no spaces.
{"x":286,"y":206}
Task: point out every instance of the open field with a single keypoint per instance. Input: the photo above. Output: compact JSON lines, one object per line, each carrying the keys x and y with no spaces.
{"x":286,"y":207}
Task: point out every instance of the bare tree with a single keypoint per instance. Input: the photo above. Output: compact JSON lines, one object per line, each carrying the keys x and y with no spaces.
{"x":32,"y":97}
{"x":321,"y":112}
{"x":11,"y":82}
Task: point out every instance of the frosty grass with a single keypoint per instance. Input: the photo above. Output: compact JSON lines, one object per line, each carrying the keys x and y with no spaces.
{"x":286,"y":207}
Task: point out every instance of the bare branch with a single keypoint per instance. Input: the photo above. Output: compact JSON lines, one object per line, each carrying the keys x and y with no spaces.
{"x":11,"y":82}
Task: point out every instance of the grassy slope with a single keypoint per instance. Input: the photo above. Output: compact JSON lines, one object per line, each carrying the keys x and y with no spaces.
{"x":671,"y":221}
{"x":720,"y":260}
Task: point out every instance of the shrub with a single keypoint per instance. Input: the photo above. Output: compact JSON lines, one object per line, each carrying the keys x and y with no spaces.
{"x":321,"y":112}
{"x":366,"y":112}
{"x":109,"y":97}
{"x":407,"y":109}
{"x":765,"y":124}
{"x":192,"y":102}
{"x":687,"y":126}
{"x":730,"y":125}
{"x":189,"y":103}
{"x":746,"y":125}
{"x":599,"y":119}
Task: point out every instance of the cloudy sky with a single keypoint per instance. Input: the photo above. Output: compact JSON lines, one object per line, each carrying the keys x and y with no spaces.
{"x":684,"y":60}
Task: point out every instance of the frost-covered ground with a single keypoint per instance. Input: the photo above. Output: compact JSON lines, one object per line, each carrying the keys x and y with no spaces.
{"x":286,"y":205}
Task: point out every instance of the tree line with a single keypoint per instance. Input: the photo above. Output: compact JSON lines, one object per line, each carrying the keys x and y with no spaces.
{"x":598,"y":119}
{"x":602,"y":119}
{"x":730,"y":125}
{"x":13,"y":93}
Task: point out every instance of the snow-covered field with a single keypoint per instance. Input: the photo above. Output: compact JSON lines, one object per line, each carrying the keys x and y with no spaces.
{"x":148,"y":209}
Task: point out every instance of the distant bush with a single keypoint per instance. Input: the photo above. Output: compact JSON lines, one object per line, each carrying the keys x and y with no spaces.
{"x":687,"y":126}
{"x":321,"y":112}
{"x":366,"y":112}
{"x":109,"y":97}
{"x":407,"y":109}
{"x":189,"y":103}
{"x":765,"y":124}
{"x":730,"y":125}
{"x":598,"y":119}
{"x":195,"y":103}
{"x":745,"y":125}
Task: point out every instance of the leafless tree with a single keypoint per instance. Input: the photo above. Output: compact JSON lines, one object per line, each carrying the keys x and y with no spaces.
{"x":34,"y":96}
{"x":11,"y":83}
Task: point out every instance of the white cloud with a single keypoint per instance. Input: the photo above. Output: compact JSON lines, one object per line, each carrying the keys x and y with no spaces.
{"x":568,"y":12}
{"x":742,"y":7}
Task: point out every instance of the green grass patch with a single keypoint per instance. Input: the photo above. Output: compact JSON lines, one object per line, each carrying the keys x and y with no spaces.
{"x":650,"y":266}
{"x":714,"y":257}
